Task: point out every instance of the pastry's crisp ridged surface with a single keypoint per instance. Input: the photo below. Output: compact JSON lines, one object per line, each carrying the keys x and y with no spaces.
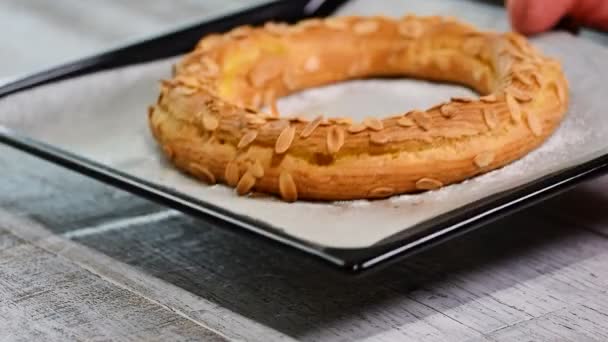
{"x":208,"y":121}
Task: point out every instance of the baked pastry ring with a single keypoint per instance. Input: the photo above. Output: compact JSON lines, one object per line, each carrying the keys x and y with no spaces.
{"x":208,"y":120}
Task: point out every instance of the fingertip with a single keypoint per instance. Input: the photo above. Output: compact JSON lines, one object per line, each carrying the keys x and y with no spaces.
{"x":535,"y":16}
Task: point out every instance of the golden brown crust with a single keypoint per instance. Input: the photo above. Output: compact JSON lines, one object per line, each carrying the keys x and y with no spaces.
{"x":208,"y":122}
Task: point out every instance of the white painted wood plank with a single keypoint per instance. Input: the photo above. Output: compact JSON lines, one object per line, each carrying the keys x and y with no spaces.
{"x":194,"y":308}
{"x":45,"y":297}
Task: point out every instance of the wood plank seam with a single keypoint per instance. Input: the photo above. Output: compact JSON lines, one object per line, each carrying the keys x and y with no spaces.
{"x":131,"y":279}
{"x":121,"y":224}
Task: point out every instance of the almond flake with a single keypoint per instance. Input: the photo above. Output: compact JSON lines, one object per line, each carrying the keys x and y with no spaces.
{"x":534,"y":124}
{"x":210,"y":122}
{"x":335,"y":139}
{"x":357,"y":128}
{"x":247,"y":139}
{"x":373,"y":124}
{"x":285,"y":139}
{"x":366,"y":27}
{"x":383,"y":191}
{"x":287,"y":187}
{"x":489,"y":98}
{"x":202,"y":172}
{"x":490,"y":118}
{"x":428,"y":184}
{"x":379,"y":138}
{"x":484,"y":159}
{"x":406,"y":122}
{"x":422,"y":119}
{"x":256,"y":169}
{"x":245,"y":184}
{"x":311,"y":127}
{"x":232,"y":173}
{"x":514,"y":108}
{"x":448,"y":110}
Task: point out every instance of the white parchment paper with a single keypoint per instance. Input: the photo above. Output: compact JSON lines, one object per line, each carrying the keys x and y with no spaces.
{"x":103,"y":117}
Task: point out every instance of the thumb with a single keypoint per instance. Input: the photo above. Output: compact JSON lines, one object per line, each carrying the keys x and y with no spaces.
{"x":534,"y":16}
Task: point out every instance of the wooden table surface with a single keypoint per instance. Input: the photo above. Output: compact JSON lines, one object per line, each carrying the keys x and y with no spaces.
{"x":80,"y":260}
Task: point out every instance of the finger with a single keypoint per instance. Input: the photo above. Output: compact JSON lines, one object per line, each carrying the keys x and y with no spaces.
{"x":535,"y":16}
{"x":592,"y":13}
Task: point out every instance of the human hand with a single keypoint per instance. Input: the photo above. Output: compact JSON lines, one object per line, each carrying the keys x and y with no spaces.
{"x":535,"y":16}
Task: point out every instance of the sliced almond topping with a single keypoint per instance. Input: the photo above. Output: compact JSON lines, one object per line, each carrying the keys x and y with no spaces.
{"x":312,"y":64}
{"x":209,"y":42}
{"x":490,"y":118}
{"x":188,"y":81}
{"x":335,"y":139}
{"x":210,"y":122}
{"x":448,"y":110}
{"x":232,"y":173}
{"x":515,"y":53}
{"x":276,"y":28}
{"x":256,"y":169}
{"x":202,"y":172}
{"x":366,"y":27}
{"x":538,"y":78}
{"x":256,"y":120}
{"x":285,"y":139}
{"x":265,"y":71}
{"x":246,"y":183}
{"x":240,"y":32}
{"x":561,"y":93}
{"x":489,"y":98}
{"x":186,"y":91}
{"x":309,"y":23}
{"x":373,"y":124}
{"x":484,"y":159}
{"x":478,"y":74}
{"x":523,"y":67}
{"x":514,"y":108}
{"x":357,"y":128}
{"x":422,"y":119}
{"x":336,"y":24}
{"x":383,"y":191}
{"x":523,"y":78}
{"x":462,"y":99}
{"x":343,"y":121}
{"x":325,"y":122}
{"x":519,"y":94}
{"x":247,"y":139}
{"x":410,"y":29}
{"x":311,"y":127}
{"x":406,"y":122}
{"x":302,"y":119}
{"x":428,"y":184}
{"x":534,"y":124}
{"x":379,"y":138}
{"x":473,"y":45}
{"x":212,"y":68}
{"x":287,"y":187}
